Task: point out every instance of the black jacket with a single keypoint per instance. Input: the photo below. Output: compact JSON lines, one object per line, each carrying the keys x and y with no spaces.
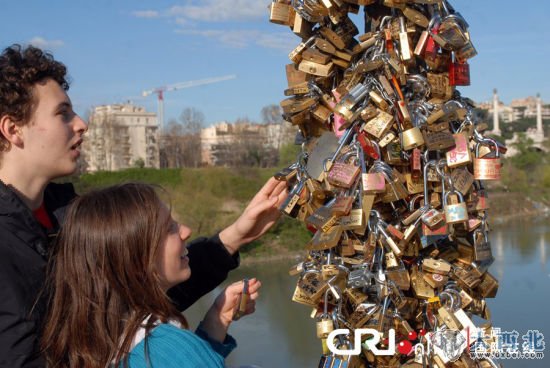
{"x":23,"y":257}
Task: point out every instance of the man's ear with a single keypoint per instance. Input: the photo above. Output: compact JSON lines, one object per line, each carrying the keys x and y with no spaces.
{"x":11,"y":131}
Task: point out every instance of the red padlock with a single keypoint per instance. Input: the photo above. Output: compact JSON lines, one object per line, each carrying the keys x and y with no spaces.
{"x":459,"y":73}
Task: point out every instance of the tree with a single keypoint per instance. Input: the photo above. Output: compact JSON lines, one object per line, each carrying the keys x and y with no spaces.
{"x":181,"y":145}
{"x":527,"y":157}
{"x":272,"y":114}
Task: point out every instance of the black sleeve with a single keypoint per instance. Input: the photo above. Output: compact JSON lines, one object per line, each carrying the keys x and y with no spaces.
{"x":18,"y":333}
{"x":210,"y":263}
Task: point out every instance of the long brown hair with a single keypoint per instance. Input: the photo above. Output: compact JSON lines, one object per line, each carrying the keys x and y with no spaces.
{"x":103,"y":278}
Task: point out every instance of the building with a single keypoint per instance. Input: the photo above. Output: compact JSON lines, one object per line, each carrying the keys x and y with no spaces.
{"x":224,"y":144}
{"x":520,"y":108}
{"x":121,"y":136}
{"x":536,"y":135}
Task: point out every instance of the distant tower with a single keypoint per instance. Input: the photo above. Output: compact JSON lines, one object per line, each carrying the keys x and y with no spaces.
{"x":496,"y":128}
{"x":539,"y":116}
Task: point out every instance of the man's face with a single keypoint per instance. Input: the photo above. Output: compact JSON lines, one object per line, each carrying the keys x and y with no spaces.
{"x":53,"y":136}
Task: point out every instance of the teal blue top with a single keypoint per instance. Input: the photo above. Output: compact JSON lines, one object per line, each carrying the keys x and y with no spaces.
{"x":170,"y":346}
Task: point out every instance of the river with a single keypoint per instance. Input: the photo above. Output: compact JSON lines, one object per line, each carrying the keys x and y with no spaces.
{"x":281,"y":333}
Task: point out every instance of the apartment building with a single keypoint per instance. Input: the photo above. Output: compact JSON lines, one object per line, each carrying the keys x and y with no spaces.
{"x":121,"y":136}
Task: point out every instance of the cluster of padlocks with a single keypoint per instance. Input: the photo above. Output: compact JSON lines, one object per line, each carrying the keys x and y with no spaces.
{"x":390,"y":179}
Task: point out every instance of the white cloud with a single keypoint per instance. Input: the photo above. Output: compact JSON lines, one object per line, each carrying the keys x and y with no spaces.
{"x":280,"y":41}
{"x":221,"y":10}
{"x":42,"y":43}
{"x":146,"y":14}
{"x":235,"y":39}
{"x":245,"y":38}
{"x":190,"y":15}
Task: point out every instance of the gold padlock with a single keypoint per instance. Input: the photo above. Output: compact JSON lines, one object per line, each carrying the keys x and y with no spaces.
{"x":411,"y":138}
{"x":280,"y":13}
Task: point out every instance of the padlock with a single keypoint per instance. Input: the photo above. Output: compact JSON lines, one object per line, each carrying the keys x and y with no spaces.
{"x":468,"y":51}
{"x":379,"y":125}
{"x":414,"y":185}
{"x":462,"y":179}
{"x":453,"y":30}
{"x":342,"y":205}
{"x":482,"y":247}
{"x":487,"y":168}
{"x":343,"y":174}
{"x":312,"y":11}
{"x":405,"y":48}
{"x":460,"y":155}
{"x":432,"y":218}
{"x":290,"y":205}
{"x":346,"y":107}
{"x":309,"y":289}
{"x":325,"y":325}
{"x":280,"y":12}
{"x":436,"y":266}
{"x":459,"y":73}
{"x":322,"y":219}
{"x":325,"y":240}
{"x":455,"y":212}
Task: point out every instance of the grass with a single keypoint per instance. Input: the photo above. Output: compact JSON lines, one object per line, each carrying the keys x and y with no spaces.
{"x":209,"y":199}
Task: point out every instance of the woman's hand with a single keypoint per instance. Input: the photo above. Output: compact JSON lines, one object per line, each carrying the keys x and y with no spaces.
{"x":258,"y":217}
{"x":220,"y":315}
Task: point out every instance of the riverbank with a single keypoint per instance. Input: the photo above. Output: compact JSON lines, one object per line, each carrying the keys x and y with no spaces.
{"x":505,"y":207}
{"x":511,"y":206}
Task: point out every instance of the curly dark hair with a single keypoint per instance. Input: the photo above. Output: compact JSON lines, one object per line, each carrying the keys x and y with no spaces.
{"x":20,"y":69}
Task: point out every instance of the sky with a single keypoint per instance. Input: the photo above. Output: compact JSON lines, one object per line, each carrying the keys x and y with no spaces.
{"x":116,"y":49}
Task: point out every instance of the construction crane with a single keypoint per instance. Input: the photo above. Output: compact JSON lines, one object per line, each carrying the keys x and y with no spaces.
{"x":174,"y":87}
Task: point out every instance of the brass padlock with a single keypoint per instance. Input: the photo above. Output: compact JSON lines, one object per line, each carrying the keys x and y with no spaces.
{"x":320,"y":70}
{"x":421,"y":288}
{"x":462,"y":180}
{"x":379,"y":125}
{"x":325,"y":240}
{"x":411,"y":138}
{"x":280,"y":13}
{"x":436,"y":266}
{"x":325,"y":325}
{"x":309,"y":289}
{"x":487,"y":168}
{"x":342,"y":205}
{"x":322,"y":219}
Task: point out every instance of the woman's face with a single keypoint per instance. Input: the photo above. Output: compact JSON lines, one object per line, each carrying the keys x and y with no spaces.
{"x":173,"y":263}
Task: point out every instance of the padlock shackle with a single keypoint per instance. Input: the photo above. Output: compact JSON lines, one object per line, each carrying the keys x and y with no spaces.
{"x":490,"y":140}
{"x":454,"y":191}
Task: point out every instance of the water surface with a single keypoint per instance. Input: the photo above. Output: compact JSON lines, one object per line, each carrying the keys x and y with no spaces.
{"x":281,"y":333}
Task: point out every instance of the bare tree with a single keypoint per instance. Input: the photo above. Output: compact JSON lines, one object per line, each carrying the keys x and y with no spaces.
{"x":181,"y":146}
{"x":192,"y":121}
{"x":272,"y":114}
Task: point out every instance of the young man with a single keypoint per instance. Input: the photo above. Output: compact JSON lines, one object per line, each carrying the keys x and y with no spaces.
{"x":40,"y":138}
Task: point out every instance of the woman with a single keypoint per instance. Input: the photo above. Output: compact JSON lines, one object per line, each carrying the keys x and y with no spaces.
{"x":118,"y":253}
